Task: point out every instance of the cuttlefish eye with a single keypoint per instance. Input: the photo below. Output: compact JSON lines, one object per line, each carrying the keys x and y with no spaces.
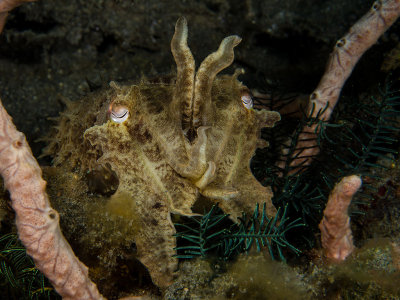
{"x":247,"y":99}
{"x":118,"y":113}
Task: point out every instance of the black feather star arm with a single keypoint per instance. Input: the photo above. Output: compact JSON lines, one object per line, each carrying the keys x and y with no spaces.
{"x":367,"y":140}
{"x":261,"y":232}
{"x":293,"y":185}
{"x":373,"y":135}
{"x":202,"y":234}
{"x":214,"y":234}
{"x":360,"y":137}
{"x":19,"y":279}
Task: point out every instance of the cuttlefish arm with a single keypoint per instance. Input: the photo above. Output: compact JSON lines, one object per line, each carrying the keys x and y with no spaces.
{"x":182,"y":103}
{"x":197,"y":167}
{"x":191,"y":103}
{"x":209,"y":68}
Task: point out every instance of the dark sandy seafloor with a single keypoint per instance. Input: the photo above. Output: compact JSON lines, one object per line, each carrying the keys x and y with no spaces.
{"x":55,"y":49}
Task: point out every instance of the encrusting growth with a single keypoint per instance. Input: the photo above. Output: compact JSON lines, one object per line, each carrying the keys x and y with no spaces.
{"x":336,"y":236}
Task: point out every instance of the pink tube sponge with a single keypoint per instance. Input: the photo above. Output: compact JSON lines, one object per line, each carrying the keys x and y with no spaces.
{"x":336,"y":236}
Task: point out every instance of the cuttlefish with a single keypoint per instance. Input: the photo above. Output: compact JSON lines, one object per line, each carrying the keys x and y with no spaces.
{"x":170,"y":143}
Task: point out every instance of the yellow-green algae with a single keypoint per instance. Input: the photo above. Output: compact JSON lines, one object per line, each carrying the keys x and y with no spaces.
{"x":367,"y":274}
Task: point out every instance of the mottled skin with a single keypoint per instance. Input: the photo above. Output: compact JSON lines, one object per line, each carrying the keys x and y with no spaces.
{"x":183,"y":139}
{"x":233,"y":139}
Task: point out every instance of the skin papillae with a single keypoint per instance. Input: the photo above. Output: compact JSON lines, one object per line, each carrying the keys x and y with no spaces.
{"x":346,"y":53}
{"x":38,"y":223}
{"x":336,"y":236}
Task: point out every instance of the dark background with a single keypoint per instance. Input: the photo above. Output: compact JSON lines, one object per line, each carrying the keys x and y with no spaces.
{"x":53,"y":49}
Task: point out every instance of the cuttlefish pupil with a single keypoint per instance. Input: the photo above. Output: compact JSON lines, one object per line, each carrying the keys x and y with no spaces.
{"x":247,"y":99}
{"x":118,"y":113}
